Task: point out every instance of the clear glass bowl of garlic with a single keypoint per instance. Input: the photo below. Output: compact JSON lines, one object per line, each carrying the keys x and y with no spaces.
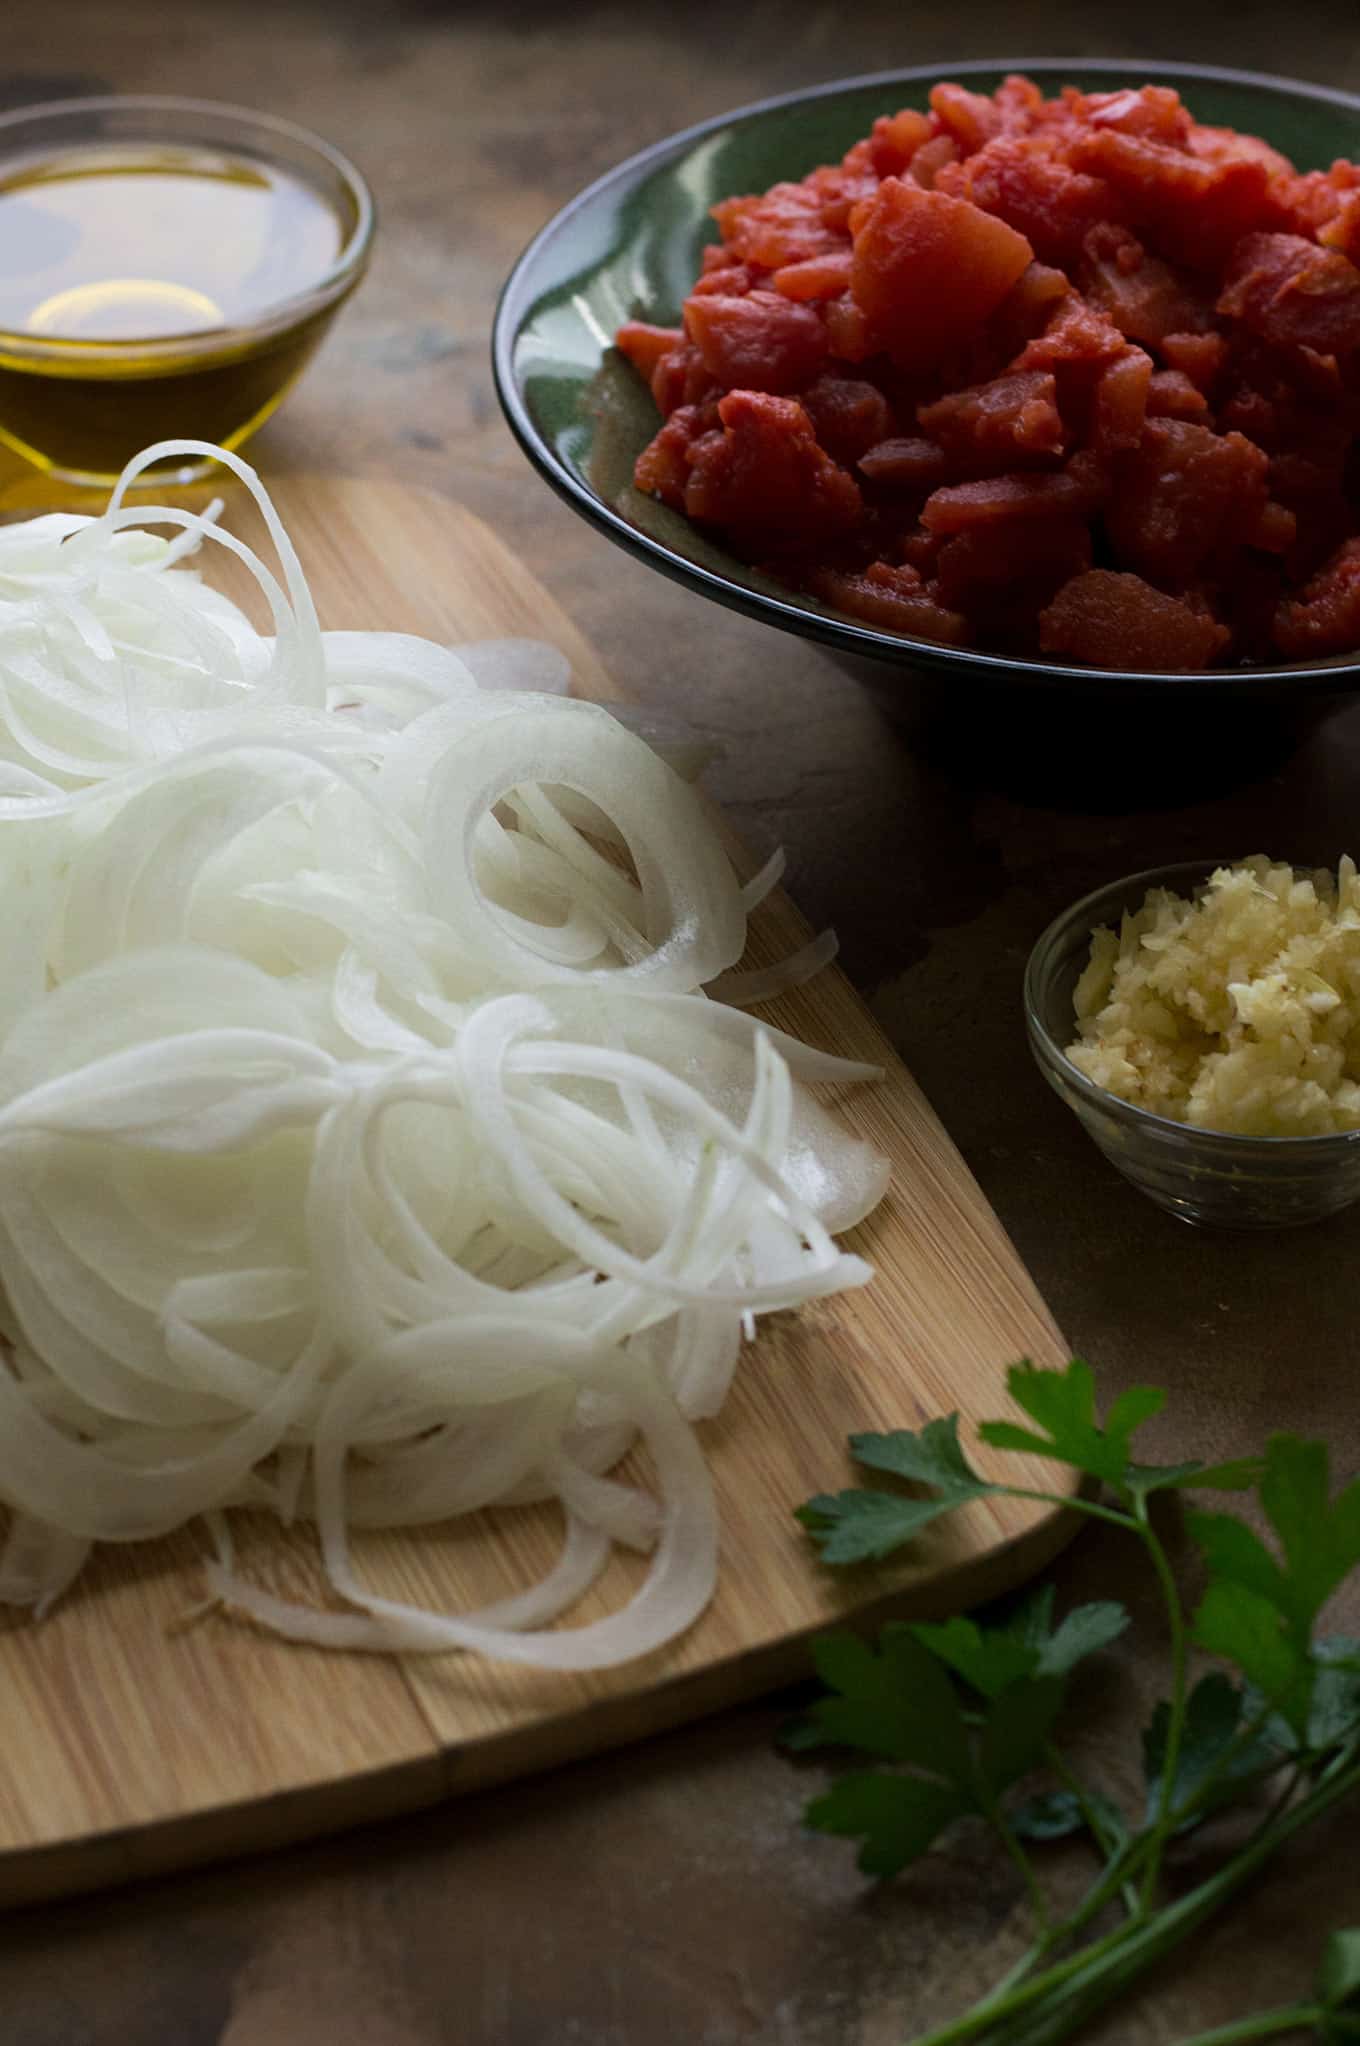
{"x":1202,"y":1021}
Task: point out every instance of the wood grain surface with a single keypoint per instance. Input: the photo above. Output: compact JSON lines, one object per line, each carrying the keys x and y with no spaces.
{"x":130,"y":1743}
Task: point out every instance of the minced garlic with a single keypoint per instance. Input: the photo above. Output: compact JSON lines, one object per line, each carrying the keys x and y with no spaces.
{"x":1239,"y":1010}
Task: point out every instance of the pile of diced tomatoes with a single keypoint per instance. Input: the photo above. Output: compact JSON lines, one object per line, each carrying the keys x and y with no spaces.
{"x":1076,"y":378}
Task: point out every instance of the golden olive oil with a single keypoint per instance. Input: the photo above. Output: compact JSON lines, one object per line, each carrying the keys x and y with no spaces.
{"x":130,"y":275}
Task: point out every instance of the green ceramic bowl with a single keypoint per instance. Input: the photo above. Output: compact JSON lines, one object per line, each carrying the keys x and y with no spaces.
{"x":629,"y":247}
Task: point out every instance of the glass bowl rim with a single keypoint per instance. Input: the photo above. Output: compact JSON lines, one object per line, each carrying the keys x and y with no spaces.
{"x":1337,"y":674}
{"x":280,"y":313}
{"x":1048,"y":1053}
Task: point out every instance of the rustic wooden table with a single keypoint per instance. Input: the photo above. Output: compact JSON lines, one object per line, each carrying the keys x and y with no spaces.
{"x":665,"y":1896}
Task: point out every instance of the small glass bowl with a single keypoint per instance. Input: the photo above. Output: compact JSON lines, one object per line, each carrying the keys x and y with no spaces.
{"x":1203,"y":1176}
{"x":79,"y":409}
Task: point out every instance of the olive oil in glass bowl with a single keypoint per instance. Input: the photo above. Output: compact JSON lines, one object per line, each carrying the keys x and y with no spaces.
{"x":167,"y":268}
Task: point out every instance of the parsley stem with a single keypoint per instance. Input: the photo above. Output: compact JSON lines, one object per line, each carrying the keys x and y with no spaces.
{"x":1119,"y":1875}
{"x":1064,"y":1997}
{"x":1028,"y":1875}
{"x":1017,"y":1973}
{"x":1073,"y":1503}
{"x":1111,"y":1850}
{"x":1268,"y":2024}
{"x":1175,"y":1725}
{"x":984,"y":2015}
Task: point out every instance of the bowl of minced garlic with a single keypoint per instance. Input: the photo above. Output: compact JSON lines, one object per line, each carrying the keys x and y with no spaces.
{"x":1204,"y":1025}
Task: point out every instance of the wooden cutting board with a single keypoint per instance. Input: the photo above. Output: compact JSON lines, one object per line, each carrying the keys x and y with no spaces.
{"x":131,"y":1743}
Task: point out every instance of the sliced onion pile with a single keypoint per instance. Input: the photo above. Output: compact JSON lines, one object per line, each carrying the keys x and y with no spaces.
{"x":369,"y":1152}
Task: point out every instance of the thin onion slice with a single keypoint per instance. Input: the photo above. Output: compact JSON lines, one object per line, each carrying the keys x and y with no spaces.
{"x":370,"y":1150}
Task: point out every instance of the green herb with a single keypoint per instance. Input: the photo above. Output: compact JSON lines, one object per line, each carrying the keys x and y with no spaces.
{"x":967,"y":1716}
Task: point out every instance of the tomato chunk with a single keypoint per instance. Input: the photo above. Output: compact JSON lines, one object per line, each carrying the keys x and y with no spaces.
{"x":644,"y":346}
{"x":1195,"y":209}
{"x":1122,"y":392}
{"x":815,"y":277}
{"x":928,"y":268}
{"x":895,"y":139}
{"x":996,"y":423}
{"x":911,"y":463}
{"x":662,"y":469}
{"x":1002,"y":500}
{"x":1111,"y":620}
{"x":1171,"y":395}
{"x":986,"y":566}
{"x":848,"y":416}
{"x":761,"y":474}
{"x":783,"y":225}
{"x":1184,"y":498}
{"x":1041,"y":197}
{"x":1294,"y":294}
{"x":1325,"y":619}
{"x":761,"y":342}
{"x":1140,"y":294}
{"x":893,"y":599}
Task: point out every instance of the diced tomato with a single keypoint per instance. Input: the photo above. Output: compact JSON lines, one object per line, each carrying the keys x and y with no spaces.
{"x":1325,"y":619}
{"x":1171,"y":395}
{"x":1121,"y":402}
{"x":727,"y":280}
{"x":763,"y":477}
{"x":644,"y":346}
{"x":1152,"y":111}
{"x":1041,"y":197}
{"x":1294,"y":294}
{"x":762,"y":342}
{"x":847,"y":330}
{"x":907,"y":464}
{"x":928,"y":268}
{"x":783,"y":225}
{"x":921,"y":550}
{"x":1002,"y":500}
{"x":1341,"y":230}
{"x":680,"y":378}
{"x":1228,"y":145}
{"x":848,"y":415}
{"x":893,"y":599}
{"x":895,"y":139}
{"x":1197,"y":356}
{"x":1246,"y":600}
{"x":816,"y":277}
{"x":662,"y":469}
{"x":1311,"y":483}
{"x":1019,"y":102}
{"x":1139,"y":293}
{"x":1185,"y":498}
{"x":970,"y":117}
{"x":842,"y":187}
{"x":1195,"y":210}
{"x":1008,"y":337}
{"x":717,"y":256}
{"x":1275,"y":531}
{"x":929,"y":160}
{"x":997,"y":423}
{"x":1105,"y":619}
{"x":988,"y":566}
{"x":1023,"y":313}
{"x":1077,"y":333}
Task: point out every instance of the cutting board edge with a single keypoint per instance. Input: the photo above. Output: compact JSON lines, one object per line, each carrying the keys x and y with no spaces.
{"x":204,"y":1839}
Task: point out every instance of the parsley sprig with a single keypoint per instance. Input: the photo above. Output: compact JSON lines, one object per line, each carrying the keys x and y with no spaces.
{"x":963,"y":1719}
